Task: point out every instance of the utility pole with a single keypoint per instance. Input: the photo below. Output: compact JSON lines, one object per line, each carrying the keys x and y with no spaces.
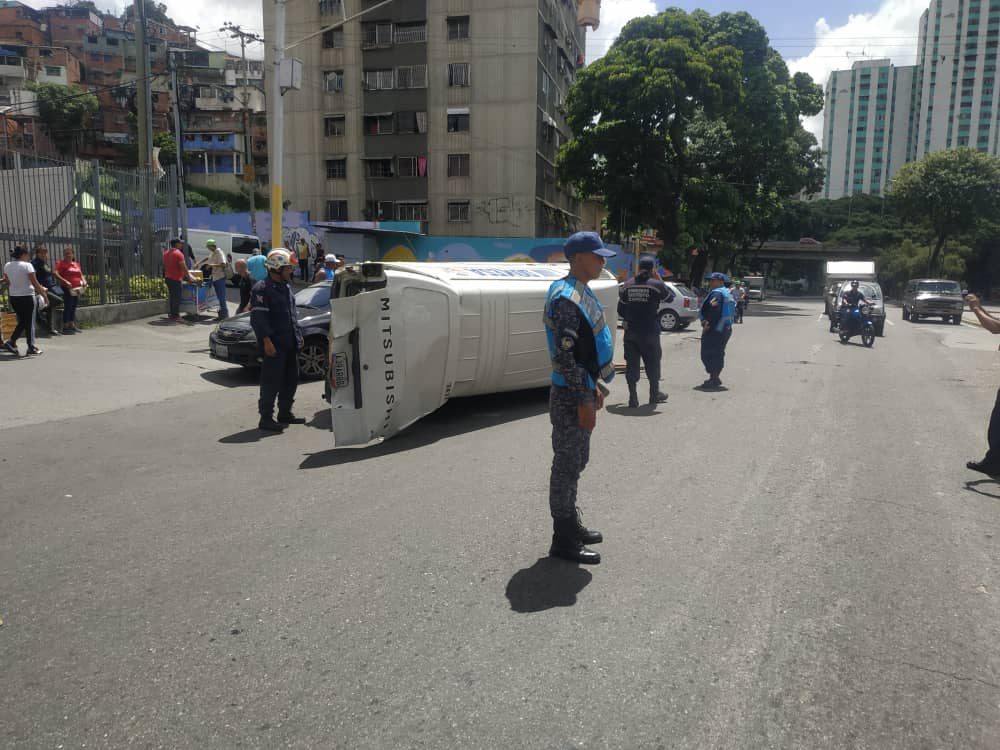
{"x":144,"y":114}
{"x":179,"y":141}
{"x":248,"y":167}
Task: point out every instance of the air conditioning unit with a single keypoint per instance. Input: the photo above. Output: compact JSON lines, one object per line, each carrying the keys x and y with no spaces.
{"x":588,"y":13}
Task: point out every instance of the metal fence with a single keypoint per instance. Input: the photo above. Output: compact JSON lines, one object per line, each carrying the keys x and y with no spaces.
{"x":105,"y":214}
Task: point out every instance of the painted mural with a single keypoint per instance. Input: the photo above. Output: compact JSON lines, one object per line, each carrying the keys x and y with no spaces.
{"x":523,"y":250}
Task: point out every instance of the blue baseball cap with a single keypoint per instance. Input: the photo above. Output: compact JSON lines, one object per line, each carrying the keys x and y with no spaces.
{"x":717,"y":277}
{"x":647,"y":262}
{"x":587,"y":242}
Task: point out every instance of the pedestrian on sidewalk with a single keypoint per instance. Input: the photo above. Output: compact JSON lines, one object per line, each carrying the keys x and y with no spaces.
{"x":24,"y":289}
{"x":639,"y":309}
{"x":302,"y":250}
{"x":582,"y":351}
{"x":716,"y":315}
{"x":218,"y":264}
{"x":279,"y":339}
{"x":245,"y":283}
{"x":48,"y":280}
{"x":74,"y":284}
{"x":257,"y":266}
{"x":990,"y":464}
{"x":175,"y":271}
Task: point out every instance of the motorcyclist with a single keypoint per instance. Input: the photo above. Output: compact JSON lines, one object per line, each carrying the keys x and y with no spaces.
{"x":852,"y":299}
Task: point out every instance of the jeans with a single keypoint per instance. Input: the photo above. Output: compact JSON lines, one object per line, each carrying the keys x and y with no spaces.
{"x":304,"y":268}
{"x":70,"y":301}
{"x":220,"y":292}
{"x":24,"y":308}
{"x":47,"y":316}
{"x":174,"y":293}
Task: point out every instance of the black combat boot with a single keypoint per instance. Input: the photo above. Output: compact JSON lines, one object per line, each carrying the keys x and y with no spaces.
{"x":566,"y":545}
{"x":585,"y":535}
{"x":267,"y":424}
{"x":286,"y":417}
{"x":633,"y":397}
{"x":657,"y":397}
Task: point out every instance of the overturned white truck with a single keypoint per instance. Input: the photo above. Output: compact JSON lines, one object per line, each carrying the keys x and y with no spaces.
{"x":406,"y":337}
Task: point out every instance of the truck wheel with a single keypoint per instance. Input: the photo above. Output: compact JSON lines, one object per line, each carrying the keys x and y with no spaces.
{"x":312,"y":359}
{"x":956,"y":319}
{"x":668,"y":320}
{"x":914,"y":317}
{"x":906,"y":314}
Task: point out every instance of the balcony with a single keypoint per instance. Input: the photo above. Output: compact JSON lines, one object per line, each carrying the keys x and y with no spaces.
{"x":11,"y":70}
{"x":588,"y":13}
{"x":221,"y":142}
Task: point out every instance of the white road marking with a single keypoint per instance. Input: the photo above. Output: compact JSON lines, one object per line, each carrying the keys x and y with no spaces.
{"x":889,"y":322}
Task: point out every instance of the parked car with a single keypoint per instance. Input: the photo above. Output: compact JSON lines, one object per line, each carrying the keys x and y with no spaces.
{"x":233,"y":340}
{"x":679,"y":312}
{"x":924,"y":297}
{"x":876,"y":300}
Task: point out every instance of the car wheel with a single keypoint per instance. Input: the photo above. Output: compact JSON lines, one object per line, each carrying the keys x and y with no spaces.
{"x":906,"y":314}
{"x":312,"y":359}
{"x":956,"y":319}
{"x":668,"y":320}
{"x":914,"y":317}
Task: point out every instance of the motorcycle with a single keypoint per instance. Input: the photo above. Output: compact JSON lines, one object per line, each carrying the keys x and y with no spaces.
{"x":855,"y":321}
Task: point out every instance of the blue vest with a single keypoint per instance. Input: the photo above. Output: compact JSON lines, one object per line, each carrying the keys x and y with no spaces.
{"x":581,"y":295}
{"x":728,"y":308}
{"x":328,"y":273}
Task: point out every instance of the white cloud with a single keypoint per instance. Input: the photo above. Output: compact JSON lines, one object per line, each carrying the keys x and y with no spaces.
{"x":614,"y":15}
{"x":891,"y":31}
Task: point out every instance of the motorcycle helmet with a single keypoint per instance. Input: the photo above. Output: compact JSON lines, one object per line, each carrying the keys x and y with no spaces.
{"x":278,"y":259}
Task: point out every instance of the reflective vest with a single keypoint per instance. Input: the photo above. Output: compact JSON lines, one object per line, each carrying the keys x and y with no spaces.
{"x":602,"y":365}
{"x":728,"y":308}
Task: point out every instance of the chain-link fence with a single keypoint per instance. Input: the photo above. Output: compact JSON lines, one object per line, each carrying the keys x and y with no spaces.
{"x":107,"y":215}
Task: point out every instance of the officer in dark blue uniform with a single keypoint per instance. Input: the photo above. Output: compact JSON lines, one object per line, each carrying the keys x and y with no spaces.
{"x":274,"y":320}
{"x":638,"y":307}
{"x":716,"y":327}
{"x":582,"y":349}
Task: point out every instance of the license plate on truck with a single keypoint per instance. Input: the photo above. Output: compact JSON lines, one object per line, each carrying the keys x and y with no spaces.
{"x":339,"y":370}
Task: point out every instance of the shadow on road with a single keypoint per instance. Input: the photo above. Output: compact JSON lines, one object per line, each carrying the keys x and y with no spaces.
{"x":457,"y":417}
{"x":973,"y":486}
{"x":247,"y":436}
{"x":232,"y":377}
{"x":643,"y":410}
{"x":548,"y":583}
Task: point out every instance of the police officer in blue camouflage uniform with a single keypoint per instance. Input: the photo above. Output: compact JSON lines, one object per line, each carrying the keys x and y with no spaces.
{"x":638,"y":308}
{"x":275,"y":322}
{"x":717,"y":312}
{"x":582,"y":349}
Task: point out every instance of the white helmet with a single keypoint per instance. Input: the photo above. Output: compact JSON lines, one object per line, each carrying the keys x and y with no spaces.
{"x":278,"y":259}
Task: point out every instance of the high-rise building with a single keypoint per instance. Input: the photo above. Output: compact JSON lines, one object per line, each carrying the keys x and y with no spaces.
{"x":947,"y":100}
{"x":868,"y":123}
{"x":447,"y":112}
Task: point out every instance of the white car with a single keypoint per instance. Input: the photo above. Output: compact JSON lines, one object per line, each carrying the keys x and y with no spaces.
{"x":681,"y":311}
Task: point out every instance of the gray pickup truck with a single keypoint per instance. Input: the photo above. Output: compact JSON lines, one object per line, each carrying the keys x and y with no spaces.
{"x":933,"y":297}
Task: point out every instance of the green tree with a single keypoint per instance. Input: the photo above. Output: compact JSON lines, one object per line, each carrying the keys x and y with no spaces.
{"x":168,"y":148}
{"x":948,"y":192}
{"x":907,"y":260}
{"x":66,"y":110}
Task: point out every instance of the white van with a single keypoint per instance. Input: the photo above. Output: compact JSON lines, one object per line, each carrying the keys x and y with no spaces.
{"x":406,"y":337}
{"x":235,"y":246}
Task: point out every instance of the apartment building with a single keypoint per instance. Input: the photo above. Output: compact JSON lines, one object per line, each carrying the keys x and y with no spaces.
{"x":947,"y":100}
{"x":868,"y":126}
{"x":446,"y":112}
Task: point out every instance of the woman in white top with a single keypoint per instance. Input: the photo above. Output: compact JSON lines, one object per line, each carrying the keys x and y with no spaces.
{"x":19,"y":276}
{"x":216,"y":259}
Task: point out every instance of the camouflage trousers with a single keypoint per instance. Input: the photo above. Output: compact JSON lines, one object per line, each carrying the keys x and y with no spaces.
{"x":571,"y":451}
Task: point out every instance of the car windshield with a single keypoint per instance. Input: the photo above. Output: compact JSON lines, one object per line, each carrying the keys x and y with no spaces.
{"x":317,"y":296}
{"x":939,"y":287}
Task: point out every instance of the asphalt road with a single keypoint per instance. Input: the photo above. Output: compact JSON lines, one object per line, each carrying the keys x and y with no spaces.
{"x":800,"y":561}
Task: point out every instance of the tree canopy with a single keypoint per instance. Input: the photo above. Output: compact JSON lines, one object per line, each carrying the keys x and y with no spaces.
{"x":948,"y":192}
{"x":690,"y":123}
{"x":66,"y":111}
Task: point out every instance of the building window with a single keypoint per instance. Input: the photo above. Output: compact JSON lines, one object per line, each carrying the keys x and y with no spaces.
{"x":408,"y":33}
{"x":378,"y":124}
{"x":458,"y":165}
{"x":331,"y":7}
{"x":379,"y":168}
{"x":334,"y":125}
{"x":411,"y":166}
{"x":378,"y":80}
{"x":92,"y":40}
{"x":53,"y":70}
{"x":112,"y":42}
{"x":411,"y":77}
{"x":458,"y":74}
{"x":380,"y":210}
{"x":411,"y":211}
{"x":458,"y":28}
{"x":376,"y":35}
{"x":336,"y":169}
{"x":333,"y":39}
{"x":336,"y":210}
{"x":458,"y":123}
{"x":458,"y":212}
{"x":333,"y":81}
{"x":411,"y":122}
